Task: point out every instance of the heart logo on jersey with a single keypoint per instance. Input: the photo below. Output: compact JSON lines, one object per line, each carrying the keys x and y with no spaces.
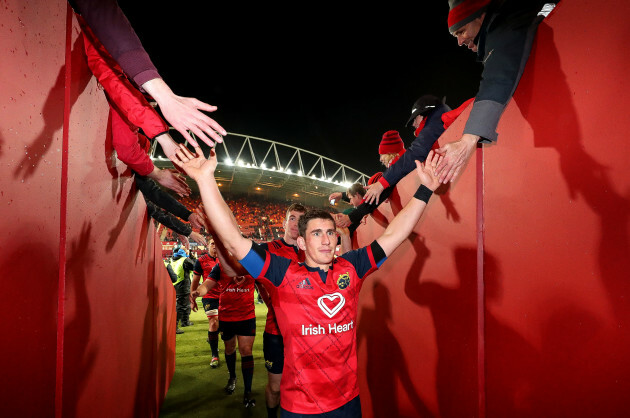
{"x":331,"y":304}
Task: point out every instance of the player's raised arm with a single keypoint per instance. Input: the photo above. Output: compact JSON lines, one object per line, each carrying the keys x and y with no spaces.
{"x":402,"y":225}
{"x":219,"y":214}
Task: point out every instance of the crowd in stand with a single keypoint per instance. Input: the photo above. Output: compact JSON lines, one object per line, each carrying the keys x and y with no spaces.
{"x":259,"y":219}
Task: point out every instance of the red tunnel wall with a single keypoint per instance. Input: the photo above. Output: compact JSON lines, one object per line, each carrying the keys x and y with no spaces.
{"x":88,"y":309}
{"x":547,"y":210}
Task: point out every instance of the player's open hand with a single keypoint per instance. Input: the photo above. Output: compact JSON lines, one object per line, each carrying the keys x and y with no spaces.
{"x":426,"y":170}
{"x":195,"y":164}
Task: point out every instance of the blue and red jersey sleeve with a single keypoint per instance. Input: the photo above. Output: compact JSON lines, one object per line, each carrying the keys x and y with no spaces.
{"x":198,"y":269}
{"x":215,"y":273}
{"x":367,"y":259}
{"x":261,"y":263}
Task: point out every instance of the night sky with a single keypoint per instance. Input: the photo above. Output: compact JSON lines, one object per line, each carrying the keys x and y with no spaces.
{"x":328,"y":80}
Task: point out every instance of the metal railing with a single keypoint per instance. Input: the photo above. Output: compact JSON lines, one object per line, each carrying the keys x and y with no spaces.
{"x":266,"y":155}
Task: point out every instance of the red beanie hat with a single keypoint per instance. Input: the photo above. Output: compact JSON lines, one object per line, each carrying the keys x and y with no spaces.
{"x":462,"y":12}
{"x":391,"y":143}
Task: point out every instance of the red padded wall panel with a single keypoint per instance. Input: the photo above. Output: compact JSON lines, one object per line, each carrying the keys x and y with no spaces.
{"x":111,"y":350}
{"x":418,"y":316}
{"x":32,"y":47}
{"x":88,"y":309}
{"x":550,"y":299}
{"x":557,"y":206}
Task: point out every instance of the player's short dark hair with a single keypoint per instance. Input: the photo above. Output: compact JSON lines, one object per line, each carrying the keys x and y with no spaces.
{"x":297,"y":207}
{"x":312,"y":214}
{"x":356,"y":188}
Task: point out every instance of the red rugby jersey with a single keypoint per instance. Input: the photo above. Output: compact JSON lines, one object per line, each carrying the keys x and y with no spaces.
{"x":236,"y":302}
{"x":318,"y":321}
{"x":281,"y":248}
{"x":203,"y":267}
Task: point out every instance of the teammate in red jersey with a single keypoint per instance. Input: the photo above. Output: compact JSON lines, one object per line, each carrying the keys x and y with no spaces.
{"x":210,"y":301}
{"x":273,"y":346}
{"x":315,"y":301}
{"x":237,"y":322}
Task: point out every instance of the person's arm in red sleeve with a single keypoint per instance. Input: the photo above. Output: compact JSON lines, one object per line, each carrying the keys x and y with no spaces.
{"x":127,"y":98}
{"x":112,"y":27}
{"x":125,"y":142}
{"x":123,"y":96}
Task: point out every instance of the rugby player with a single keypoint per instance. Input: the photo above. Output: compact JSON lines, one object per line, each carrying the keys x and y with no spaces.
{"x":210,"y":301}
{"x":316,"y":301}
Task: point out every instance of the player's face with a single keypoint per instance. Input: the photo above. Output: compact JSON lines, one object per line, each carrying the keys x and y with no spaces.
{"x":212,"y":249}
{"x":291,"y":231}
{"x":319,"y":242}
{"x":355,"y":200}
{"x":467,"y":33}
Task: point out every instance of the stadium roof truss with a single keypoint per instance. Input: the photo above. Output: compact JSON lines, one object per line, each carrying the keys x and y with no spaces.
{"x":247,"y":163}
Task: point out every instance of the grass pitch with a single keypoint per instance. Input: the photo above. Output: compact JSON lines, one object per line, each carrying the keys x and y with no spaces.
{"x":197,"y":390}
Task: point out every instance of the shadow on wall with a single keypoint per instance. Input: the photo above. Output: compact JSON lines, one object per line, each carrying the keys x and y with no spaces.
{"x":454,"y":315}
{"x":148,"y":373}
{"x":29,"y":319}
{"x":449,"y":205}
{"x":513,"y":365}
{"x":573,"y":338}
{"x":128,"y":205}
{"x":80,"y":355}
{"x":53,"y":112}
{"x":382,"y":348}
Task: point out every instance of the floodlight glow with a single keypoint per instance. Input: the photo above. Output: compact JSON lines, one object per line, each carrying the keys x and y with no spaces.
{"x":228,"y":161}
{"x":263,"y":166}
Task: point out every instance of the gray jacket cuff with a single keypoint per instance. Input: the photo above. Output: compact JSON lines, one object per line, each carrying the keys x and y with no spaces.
{"x":483,"y":120}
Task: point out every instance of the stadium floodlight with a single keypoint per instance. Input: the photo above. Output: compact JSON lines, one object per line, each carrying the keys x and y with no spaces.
{"x":240,"y":163}
{"x":263,"y":166}
{"x":299,"y":173}
{"x":228,"y":161}
{"x":288,"y":171}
